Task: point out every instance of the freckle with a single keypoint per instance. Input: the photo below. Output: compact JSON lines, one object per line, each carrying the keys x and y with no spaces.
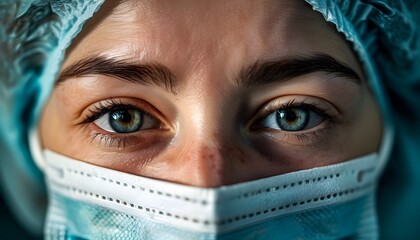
{"x":241,"y":156}
{"x":208,"y":155}
{"x":234,"y":153}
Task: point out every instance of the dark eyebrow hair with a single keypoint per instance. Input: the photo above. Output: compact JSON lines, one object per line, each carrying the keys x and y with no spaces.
{"x":149,"y":74}
{"x":285,"y":69}
{"x":257,"y":74}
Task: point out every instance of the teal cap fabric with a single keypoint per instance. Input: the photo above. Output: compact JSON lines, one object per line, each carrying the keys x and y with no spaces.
{"x":35,"y":33}
{"x":385,"y":34}
{"x":33,"y":38}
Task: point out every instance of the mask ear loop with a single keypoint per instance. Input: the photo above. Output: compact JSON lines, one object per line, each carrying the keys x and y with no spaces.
{"x":36,"y":148}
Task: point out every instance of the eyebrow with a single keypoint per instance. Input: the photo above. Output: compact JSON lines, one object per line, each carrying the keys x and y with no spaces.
{"x":257,"y":74}
{"x":285,"y":69}
{"x":147,"y":74}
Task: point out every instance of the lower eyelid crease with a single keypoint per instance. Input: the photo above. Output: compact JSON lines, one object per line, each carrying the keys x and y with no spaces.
{"x":115,"y":141}
{"x":322,"y":134}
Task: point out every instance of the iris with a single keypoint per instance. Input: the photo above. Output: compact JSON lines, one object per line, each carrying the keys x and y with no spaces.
{"x":125,"y":120}
{"x":292,"y":119}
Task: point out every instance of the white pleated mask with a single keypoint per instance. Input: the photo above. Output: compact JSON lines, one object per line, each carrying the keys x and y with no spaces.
{"x":91,"y":202}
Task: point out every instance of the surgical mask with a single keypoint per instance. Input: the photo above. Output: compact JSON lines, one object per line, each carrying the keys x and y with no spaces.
{"x":92,"y":202}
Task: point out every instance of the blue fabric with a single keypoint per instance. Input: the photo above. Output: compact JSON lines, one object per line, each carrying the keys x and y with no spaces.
{"x":33,"y":38}
{"x":35,"y":33}
{"x":328,"y":223}
{"x":386,"y":34}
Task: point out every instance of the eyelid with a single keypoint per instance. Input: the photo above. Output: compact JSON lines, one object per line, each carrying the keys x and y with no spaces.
{"x":320,"y":106}
{"x":133,"y":140}
{"x":312,"y":119}
{"x":316,"y":136}
{"x":99,"y":108}
{"x":146,"y":121}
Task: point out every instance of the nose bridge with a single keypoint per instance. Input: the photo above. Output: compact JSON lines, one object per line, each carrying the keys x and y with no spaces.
{"x":210,"y":161}
{"x":209,"y":142}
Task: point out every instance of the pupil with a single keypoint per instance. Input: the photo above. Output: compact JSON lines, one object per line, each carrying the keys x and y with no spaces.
{"x":122,"y":116}
{"x":290,"y":116}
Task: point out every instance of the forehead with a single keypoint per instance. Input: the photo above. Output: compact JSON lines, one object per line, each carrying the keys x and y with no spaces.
{"x":209,"y":33}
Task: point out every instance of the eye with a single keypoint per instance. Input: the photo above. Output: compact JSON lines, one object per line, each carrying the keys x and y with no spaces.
{"x":293,"y":119}
{"x":126,"y":120}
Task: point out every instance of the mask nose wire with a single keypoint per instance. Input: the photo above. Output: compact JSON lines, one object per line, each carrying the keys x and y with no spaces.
{"x":36,"y":148}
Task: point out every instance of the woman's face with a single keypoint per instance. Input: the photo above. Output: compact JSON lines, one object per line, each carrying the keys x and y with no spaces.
{"x":210,"y":93}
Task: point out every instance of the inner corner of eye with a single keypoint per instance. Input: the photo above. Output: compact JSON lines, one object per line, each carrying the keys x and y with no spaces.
{"x":103,"y":122}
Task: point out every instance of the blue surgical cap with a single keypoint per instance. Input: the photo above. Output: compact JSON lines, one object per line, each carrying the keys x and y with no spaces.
{"x":34,"y":35}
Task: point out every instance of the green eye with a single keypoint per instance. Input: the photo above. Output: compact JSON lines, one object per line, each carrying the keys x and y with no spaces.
{"x":126,"y":120}
{"x":293,"y":119}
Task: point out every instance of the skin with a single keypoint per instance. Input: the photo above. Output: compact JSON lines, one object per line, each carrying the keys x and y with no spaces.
{"x":207,"y":135}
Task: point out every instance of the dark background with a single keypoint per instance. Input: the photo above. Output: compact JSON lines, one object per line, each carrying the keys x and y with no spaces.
{"x":9,"y":227}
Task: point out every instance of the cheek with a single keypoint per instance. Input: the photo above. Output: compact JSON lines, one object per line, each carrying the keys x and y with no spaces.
{"x":56,"y":130}
{"x":367,"y":131}
{"x":50,"y":126}
{"x":290,"y":158}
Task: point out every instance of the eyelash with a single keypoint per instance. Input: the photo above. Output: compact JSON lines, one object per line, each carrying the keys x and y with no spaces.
{"x":104,"y":107}
{"x":122,"y":140}
{"x":306,"y":136}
